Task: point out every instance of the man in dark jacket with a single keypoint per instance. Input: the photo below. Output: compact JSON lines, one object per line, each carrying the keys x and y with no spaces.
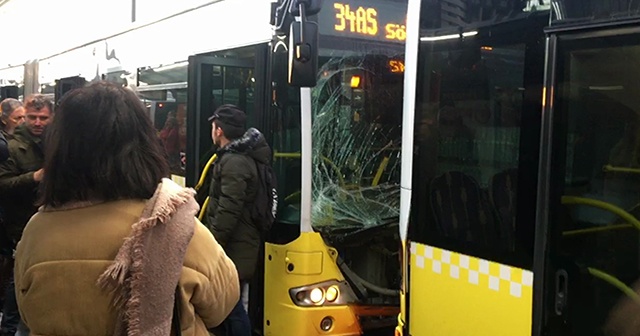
{"x":20,"y":176}
{"x":5,"y":261}
{"x":4,"y":149}
{"x":232,"y":192}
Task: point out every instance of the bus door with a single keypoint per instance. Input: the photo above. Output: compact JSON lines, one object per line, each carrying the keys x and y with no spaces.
{"x":588,"y":239}
{"x":477,"y":126}
{"x":233,"y":76}
{"x":212,"y":82}
{"x":64,"y":85}
{"x":10,"y":91}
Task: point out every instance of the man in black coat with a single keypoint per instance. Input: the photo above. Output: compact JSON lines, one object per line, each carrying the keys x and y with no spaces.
{"x":4,"y":149}
{"x":233,"y":190}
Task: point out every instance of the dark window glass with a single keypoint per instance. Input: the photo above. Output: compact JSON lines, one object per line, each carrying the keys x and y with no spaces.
{"x":595,"y":202}
{"x":441,"y":15}
{"x":573,"y":12}
{"x":477,"y":128}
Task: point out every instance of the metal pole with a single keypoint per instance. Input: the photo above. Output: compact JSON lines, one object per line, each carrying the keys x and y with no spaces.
{"x":408,"y":112}
{"x":133,"y":10}
{"x":307,"y":159}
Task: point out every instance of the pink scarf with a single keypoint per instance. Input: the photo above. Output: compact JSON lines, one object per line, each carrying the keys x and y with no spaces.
{"x":148,"y":266}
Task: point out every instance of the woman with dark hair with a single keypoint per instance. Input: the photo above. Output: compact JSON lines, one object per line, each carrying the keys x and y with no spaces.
{"x":114,"y":237}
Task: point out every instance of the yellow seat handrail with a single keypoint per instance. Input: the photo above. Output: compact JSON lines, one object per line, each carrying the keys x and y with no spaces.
{"x":604,"y":206}
{"x":203,"y":209}
{"x":380,"y":171}
{"x":205,"y":171}
{"x":203,"y":177}
{"x":597,"y":229}
{"x":606,"y":277}
{"x":614,"y":169}
{"x":615,"y":282}
{"x":333,"y":166}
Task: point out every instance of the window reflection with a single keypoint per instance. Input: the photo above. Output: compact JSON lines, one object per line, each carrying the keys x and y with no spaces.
{"x":163,"y":90}
{"x":167,"y":74}
{"x":173,"y":135}
{"x":473,"y":145}
{"x":170,"y":121}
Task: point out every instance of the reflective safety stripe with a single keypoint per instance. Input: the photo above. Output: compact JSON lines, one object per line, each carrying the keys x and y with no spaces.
{"x":498,"y":277}
{"x":456,"y":294}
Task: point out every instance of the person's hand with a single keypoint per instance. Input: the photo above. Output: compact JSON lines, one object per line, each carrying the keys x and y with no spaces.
{"x":38,"y":175}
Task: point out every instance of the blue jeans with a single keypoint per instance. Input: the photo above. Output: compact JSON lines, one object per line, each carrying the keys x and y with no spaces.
{"x":237,"y":323}
{"x":10,"y":314}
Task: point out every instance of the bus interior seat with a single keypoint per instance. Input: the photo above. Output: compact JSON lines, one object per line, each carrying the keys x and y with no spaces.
{"x":503,"y":194}
{"x":461,"y":209}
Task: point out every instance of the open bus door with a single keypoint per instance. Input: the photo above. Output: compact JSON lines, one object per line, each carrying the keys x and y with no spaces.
{"x":230,"y":77}
{"x":471,"y":134}
{"x":212,"y":81}
{"x":588,"y":202}
{"x":9,"y":92}
{"x":67,"y":84}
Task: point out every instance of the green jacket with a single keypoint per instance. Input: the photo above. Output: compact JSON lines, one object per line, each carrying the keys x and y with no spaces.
{"x":233,"y":189}
{"x":4,"y":149}
{"x":18,"y":190}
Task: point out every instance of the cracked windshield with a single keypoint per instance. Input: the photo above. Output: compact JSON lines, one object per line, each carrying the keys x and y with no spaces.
{"x":356,"y":152}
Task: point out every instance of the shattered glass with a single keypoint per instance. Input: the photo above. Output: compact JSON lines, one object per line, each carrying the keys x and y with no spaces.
{"x":356,"y":157}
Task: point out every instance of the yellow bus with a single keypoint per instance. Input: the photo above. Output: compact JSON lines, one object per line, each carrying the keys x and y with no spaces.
{"x":337,"y":271}
{"x":520,"y":171}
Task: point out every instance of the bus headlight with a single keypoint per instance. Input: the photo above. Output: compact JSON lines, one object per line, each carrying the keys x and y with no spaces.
{"x":316,"y":295}
{"x":325,"y":293}
{"x":332,"y":293}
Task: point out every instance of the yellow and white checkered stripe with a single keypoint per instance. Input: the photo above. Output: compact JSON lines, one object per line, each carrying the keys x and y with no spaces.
{"x":476,"y":271}
{"x":456,"y":294}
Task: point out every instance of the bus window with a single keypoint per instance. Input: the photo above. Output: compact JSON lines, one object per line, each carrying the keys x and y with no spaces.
{"x":163,"y":90}
{"x":475,"y":140}
{"x":357,"y":110}
{"x":357,"y":130}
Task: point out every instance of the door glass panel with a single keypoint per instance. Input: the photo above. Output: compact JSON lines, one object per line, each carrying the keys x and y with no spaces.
{"x":597,"y":194}
{"x":220,"y":84}
{"x":284,"y":118}
{"x":476,"y":131}
{"x":227,"y":85}
{"x":225,"y":77}
{"x":238,"y":89}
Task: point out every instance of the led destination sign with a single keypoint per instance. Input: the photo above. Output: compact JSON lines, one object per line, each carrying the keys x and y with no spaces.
{"x":378,"y":20}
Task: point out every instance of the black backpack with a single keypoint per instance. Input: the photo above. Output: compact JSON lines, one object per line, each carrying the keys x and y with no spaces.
{"x":265,"y":205}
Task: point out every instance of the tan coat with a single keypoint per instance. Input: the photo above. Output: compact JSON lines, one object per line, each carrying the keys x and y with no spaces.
{"x":63,"y":253}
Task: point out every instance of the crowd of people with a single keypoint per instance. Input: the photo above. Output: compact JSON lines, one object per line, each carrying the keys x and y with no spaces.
{"x":97,"y":240}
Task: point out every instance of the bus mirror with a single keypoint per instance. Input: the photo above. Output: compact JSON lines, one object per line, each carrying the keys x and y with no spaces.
{"x":303,"y":54}
{"x":280,"y":17}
